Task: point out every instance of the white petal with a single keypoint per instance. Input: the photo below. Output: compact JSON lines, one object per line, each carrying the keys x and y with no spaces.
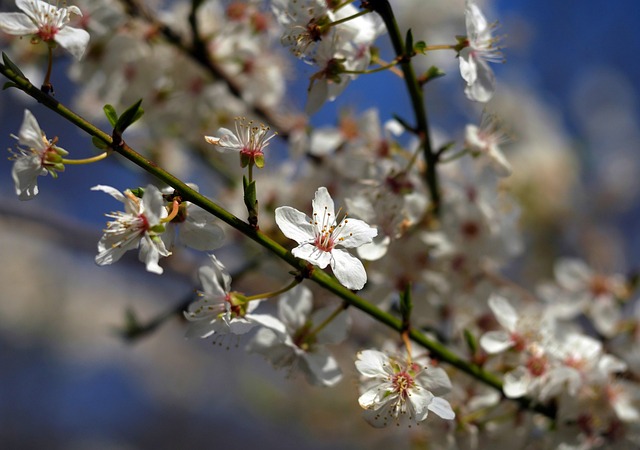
{"x":311,"y":253}
{"x":111,"y":191}
{"x":74,"y":40}
{"x":420,"y":400}
{"x":371,"y":363}
{"x":348,"y":269}
{"x":30,"y":133}
{"x":572,"y":274}
{"x":468,"y":66}
{"x":25,"y":172}
{"x":484,"y":85}
{"x":153,"y":205}
{"x":516,"y":383}
{"x":199,"y":232}
{"x":325,"y":141}
{"x":504,"y":312}
{"x":150,"y":251}
{"x":442,"y":408}
{"x":322,"y":368}
{"x":214,"y":278}
{"x":17,"y":24}
{"x":323,"y":206}
{"x":294,"y":224}
{"x":496,"y":341}
{"x":295,"y":307}
{"x":355,"y":232}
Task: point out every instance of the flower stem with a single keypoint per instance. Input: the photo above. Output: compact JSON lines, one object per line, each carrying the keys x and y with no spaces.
{"x":93,"y":159}
{"x":328,"y":320}
{"x":346,"y":19}
{"x":47,"y":87}
{"x":440,"y":47}
{"x":377,"y":69}
{"x":288,"y":287}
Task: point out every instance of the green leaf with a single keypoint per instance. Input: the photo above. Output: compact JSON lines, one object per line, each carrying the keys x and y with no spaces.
{"x":99,"y":143}
{"x":138,"y":192}
{"x":420,"y":47}
{"x":250,"y":200}
{"x":111,"y":114}
{"x":408,"y":43}
{"x":406,"y":305}
{"x":9,"y":84}
{"x":471,"y":340}
{"x":11,"y":65}
{"x":431,"y":74}
{"x":133,"y":113}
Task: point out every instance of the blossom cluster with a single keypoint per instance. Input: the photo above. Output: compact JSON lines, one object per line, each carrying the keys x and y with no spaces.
{"x":428,"y":260}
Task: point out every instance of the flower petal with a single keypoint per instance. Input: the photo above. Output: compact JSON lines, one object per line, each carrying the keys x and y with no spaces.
{"x":17,"y":24}
{"x":355,"y":232}
{"x":294,"y":224}
{"x":348,"y":269}
{"x":74,"y":40}
{"x":323,"y":206}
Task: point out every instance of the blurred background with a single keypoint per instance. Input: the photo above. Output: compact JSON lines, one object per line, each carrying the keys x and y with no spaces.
{"x":568,"y":96}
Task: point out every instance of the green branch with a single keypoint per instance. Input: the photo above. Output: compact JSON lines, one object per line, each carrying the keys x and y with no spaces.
{"x":320,"y":277}
{"x":383,"y":8}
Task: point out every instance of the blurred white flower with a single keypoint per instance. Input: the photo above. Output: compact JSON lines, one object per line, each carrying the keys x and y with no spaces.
{"x":39,"y":157}
{"x":46,"y":23}
{"x":474,"y":58}
{"x":292,"y":341}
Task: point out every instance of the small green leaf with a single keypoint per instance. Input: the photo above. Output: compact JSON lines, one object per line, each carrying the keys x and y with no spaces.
{"x":420,"y":47}
{"x":250,"y":200}
{"x":406,"y":305}
{"x":432,"y":73}
{"x":138,"y":192}
{"x":471,"y":340}
{"x":408,"y":43}
{"x":11,"y":65}
{"x":133,"y":113}
{"x":112,"y":115}
{"x":9,"y":84}
{"x":99,"y":143}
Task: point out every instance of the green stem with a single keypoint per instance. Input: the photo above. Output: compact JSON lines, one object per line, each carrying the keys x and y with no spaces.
{"x":318,"y":276}
{"x":93,"y":159}
{"x":377,"y":69}
{"x":266,"y":295}
{"x":383,"y":8}
{"x":346,"y":19}
{"x":329,"y":319}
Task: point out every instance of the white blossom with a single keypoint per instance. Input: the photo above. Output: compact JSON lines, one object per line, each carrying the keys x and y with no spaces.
{"x":46,"y":23}
{"x":139,"y":226}
{"x":218,"y":310}
{"x":39,"y":156}
{"x":319,"y":237}
{"x":396,"y":390}
{"x":474,"y":58}
{"x":292,"y":341}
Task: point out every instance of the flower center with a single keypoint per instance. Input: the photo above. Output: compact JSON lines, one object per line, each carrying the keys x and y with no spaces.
{"x":402,"y":382}
{"x":327,"y":232}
